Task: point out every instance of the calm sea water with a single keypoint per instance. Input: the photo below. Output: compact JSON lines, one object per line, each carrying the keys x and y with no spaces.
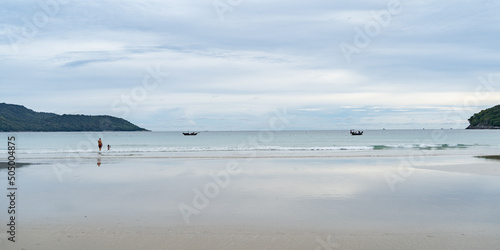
{"x":249,"y":143}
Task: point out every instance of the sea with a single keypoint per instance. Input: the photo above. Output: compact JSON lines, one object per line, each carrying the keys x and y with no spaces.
{"x":31,"y":146}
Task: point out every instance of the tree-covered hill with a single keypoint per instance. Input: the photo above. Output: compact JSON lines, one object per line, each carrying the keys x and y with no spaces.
{"x":486,"y":119}
{"x":18,"y":118}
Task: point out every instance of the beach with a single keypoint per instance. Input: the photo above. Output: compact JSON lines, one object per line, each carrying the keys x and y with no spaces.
{"x":232,"y":124}
{"x":265,"y":202}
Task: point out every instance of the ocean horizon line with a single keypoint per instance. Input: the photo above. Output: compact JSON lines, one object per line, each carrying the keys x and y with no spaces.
{"x":244,"y":130}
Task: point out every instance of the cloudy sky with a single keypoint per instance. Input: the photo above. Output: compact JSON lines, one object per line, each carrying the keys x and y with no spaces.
{"x":232,"y":64}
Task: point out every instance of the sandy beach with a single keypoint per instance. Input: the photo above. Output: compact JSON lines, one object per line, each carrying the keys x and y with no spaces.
{"x":244,"y":238}
{"x":444,"y":202}
{"x":232,"y":124}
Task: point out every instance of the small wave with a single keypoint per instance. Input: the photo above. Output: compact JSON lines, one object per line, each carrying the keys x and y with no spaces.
{"x":422,"y":146}
{"x":441,"y":146}
{"x":381,"y":147}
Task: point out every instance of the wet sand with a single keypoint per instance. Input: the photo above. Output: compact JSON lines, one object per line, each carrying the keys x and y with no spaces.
{"x":244,"y":238}
{"x":445,"y":202}
{"x":491,"y":157}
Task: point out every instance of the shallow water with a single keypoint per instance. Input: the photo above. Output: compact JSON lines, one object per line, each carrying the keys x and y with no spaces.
{"x":255,"y":143}
{"x":321,"y":194}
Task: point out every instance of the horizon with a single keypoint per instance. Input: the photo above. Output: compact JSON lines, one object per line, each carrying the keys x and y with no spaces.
{"x":233,"y":65}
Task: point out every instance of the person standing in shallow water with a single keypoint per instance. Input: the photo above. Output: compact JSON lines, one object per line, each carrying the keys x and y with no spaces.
{"x":99,"y":144}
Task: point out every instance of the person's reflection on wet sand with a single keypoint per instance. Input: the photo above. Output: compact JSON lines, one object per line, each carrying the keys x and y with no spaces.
{"x":99,"y":161}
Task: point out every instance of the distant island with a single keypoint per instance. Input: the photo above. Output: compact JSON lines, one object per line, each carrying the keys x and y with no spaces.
{"x":17,"y":118}
{"x":486,"y":119}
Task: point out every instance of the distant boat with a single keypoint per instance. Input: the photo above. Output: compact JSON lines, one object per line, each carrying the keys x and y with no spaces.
{"x":192,"y":133}
{"x":356,"y":132}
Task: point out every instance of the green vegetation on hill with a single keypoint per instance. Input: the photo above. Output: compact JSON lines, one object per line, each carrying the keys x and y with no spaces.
{"x":19,"y":118}
{"x":486,"y":119}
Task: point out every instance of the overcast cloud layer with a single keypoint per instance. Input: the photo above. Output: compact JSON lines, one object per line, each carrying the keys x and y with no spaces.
{"x":230,"y":64}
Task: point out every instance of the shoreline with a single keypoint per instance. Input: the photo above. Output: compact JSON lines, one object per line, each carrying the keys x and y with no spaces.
{"x":262,"y":155}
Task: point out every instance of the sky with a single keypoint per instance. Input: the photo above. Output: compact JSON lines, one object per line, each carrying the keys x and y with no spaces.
{"x":238,"y":64}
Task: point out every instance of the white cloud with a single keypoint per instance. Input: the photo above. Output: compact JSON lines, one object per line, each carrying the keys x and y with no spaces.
{"x":264,"y":55}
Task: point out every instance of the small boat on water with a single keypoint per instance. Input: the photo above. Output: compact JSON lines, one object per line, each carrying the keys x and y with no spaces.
{"x":356,"y":132}
{"x":188,"y":133}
